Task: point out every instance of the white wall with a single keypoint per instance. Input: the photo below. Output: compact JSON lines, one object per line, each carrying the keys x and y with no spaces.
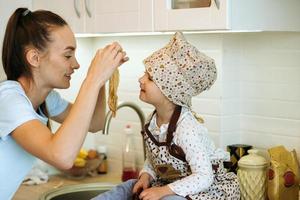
{"x":270,"y":90}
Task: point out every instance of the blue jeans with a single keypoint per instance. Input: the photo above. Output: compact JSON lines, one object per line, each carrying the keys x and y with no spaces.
{"x":124,"y":192}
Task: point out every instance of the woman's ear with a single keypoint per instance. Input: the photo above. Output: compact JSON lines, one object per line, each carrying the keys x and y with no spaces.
{"x":32,"y":56}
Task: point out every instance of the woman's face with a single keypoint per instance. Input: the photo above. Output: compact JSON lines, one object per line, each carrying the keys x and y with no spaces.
{"x":58,"y":62}
{"x":149,"y":92}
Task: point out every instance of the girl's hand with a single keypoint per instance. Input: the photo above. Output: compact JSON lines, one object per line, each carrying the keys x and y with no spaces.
{"x":156,"y":193}
{"x":142,"y":184}
{"x":106,"y":61}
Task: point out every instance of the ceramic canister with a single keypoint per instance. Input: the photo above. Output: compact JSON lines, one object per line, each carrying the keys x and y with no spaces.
{"x":252,"y":176}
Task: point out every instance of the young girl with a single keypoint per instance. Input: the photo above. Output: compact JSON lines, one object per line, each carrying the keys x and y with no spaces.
{"x":182,"y":162}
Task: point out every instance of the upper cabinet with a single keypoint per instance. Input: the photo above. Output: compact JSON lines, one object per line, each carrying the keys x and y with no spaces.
{"x":176,"y":15}
{"x":117,"y":16}
{"x":120,"y":16}
{"x":102,"y":16}
{"x":248,"y":15}
{"x":73,"y":11}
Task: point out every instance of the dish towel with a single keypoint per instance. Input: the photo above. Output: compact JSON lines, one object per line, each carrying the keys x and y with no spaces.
{"x":35,"y":176}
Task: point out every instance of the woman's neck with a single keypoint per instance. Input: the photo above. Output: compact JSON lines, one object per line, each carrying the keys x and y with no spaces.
{"x":36,"y":95}
{"x":164,"y":113}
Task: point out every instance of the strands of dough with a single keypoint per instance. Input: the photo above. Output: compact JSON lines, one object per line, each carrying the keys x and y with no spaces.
{"x":113,"y":97}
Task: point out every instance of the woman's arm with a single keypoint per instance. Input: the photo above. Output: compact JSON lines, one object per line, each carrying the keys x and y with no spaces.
{"x":98,"y":118}
{"x":60,"y":149}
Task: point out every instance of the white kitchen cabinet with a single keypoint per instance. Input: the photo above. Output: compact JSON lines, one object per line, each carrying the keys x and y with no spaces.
{"x":237,"y":15}
{"x":102,"y":16}
{"x":6,"y":9}
{"x":207,"y":18}
{"x":120,"y":16}
{"x":73,"y":11}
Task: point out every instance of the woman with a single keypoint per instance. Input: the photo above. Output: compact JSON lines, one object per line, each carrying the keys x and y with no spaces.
{"x":38,"y":56}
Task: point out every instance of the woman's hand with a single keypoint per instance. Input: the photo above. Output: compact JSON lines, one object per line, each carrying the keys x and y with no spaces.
{"x":142,"y":184}
{"x":156,"y":193}
{"x":105,"y":62}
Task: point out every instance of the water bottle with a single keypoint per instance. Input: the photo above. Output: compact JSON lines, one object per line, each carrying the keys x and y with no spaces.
{"x":129,"y":160}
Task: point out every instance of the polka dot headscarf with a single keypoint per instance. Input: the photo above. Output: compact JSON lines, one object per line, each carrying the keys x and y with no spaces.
{"x":181,"y":71}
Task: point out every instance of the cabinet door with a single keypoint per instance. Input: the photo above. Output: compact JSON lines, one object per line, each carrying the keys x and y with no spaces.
{"x":6,"y":9}
{"x":120,"y":16}
{"x":71,"y":10}
{"x":207,"y":18}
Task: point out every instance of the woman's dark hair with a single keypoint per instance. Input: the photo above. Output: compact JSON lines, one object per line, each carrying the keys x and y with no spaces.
{"x":24,"y":29}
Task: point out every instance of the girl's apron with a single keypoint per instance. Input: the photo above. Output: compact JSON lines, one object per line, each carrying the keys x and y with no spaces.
{"x":169,"y":164}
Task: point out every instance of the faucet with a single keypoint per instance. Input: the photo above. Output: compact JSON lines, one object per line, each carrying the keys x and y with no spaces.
{"x":132,"y":105}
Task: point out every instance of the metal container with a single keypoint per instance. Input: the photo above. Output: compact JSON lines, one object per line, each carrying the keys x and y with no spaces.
{"x":236,"y":152}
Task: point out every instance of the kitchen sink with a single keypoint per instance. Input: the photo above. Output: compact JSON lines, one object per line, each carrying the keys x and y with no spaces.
{"x":77,"y":192}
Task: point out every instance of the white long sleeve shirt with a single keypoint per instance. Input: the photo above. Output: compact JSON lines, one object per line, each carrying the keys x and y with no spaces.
{"x":199,"y":150}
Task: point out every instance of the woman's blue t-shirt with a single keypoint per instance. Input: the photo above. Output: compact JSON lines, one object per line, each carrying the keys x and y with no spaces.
{"x":16,"y":109}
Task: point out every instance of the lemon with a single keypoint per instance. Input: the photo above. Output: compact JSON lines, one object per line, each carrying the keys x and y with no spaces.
{"x":82,"y":154}
{"x":79,"y":162}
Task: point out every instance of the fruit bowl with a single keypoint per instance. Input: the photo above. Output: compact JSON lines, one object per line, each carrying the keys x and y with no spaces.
{"x":90,"y":168}
{"x":85,"y":164}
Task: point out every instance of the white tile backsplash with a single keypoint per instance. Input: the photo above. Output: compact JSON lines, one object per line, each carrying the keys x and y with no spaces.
{"x":274,"y":91}
{"x":276,"y":126}
{"x":255,"y":100}
{"x":269,"y":90}
{"x":271,"y":108}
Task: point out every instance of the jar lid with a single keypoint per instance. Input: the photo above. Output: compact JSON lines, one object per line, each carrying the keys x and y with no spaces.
{"x":252,"y":160}
{"x":102,"y":149}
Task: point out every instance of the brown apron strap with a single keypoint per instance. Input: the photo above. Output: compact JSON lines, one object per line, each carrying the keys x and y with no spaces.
{"x":147,"y":125}
{"x":174,"y":150}
{"x":172,"y":124}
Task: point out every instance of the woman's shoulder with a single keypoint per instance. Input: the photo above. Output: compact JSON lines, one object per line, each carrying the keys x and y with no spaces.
{"x":12,"y":91}
{"x":11,"y":86}
{"x":15,"y":107}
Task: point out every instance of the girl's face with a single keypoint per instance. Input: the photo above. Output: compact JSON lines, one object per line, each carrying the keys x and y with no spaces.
{"x":149,"y":92}
{"x":58,"y":61}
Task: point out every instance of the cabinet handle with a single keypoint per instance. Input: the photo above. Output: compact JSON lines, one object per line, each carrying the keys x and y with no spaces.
{"x":87,"y":8}
{"x":217,"y":2}
{"x":76,"y":8}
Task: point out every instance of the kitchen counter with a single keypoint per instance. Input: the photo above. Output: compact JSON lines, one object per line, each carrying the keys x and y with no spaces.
{"x":33,"y":192}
